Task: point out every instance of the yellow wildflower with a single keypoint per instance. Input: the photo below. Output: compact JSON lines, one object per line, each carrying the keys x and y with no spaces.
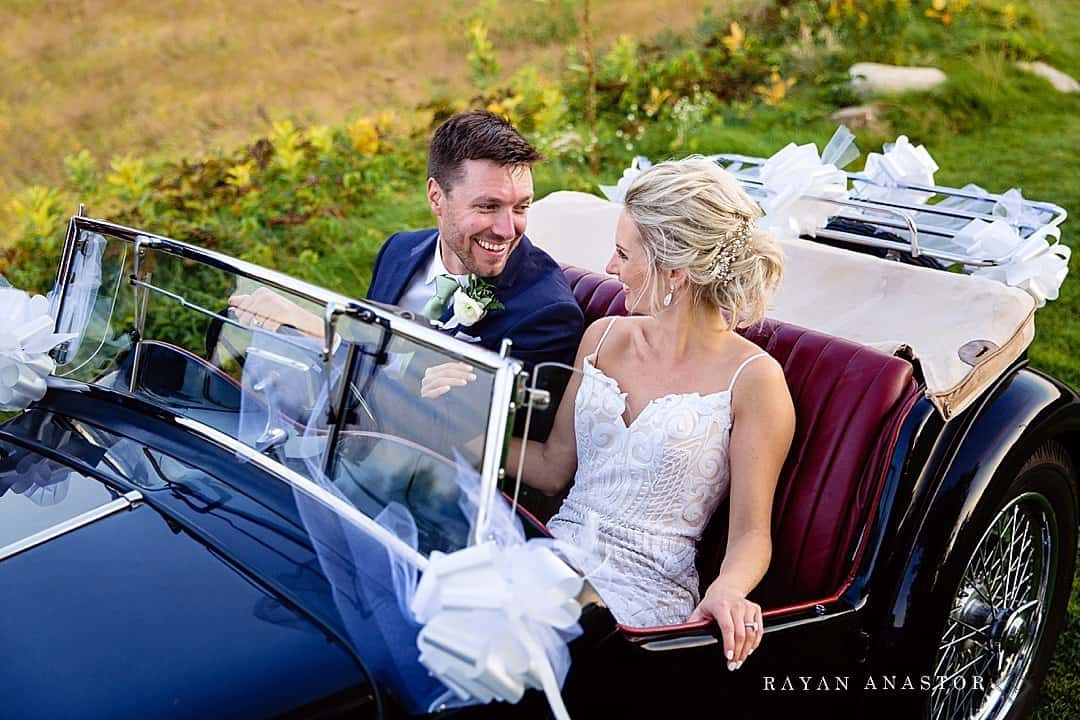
{"x":129,"y":177}
{"x":321,"y":138}
{"x":286,"y":141}
{"x":39,"y":212}
{"x":240,"y":175}
{"x":777,"y":89}
{"x":657,"y":98}
{"x":734,"y":39}
{"x":386,"y":121}
{"x":939,"y":10}
{"x":1008,"y":16}
{"x":365,"y":136}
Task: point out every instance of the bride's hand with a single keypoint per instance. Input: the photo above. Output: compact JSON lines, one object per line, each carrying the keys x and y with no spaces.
{"x":739,"y":620}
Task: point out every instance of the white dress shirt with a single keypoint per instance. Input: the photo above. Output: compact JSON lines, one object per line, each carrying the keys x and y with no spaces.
{"x":421,"y":286}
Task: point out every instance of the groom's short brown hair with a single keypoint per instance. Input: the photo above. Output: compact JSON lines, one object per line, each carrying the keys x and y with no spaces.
{"x":475,"y":135}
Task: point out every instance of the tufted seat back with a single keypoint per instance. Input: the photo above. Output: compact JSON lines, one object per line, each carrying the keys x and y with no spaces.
{"x":848,"y":401}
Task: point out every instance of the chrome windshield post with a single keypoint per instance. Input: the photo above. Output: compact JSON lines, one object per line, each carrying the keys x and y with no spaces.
{"x":499,"y":424}
{"x":63,"y":279}
{"x":140,"y":285}
{"x":333,"y":309}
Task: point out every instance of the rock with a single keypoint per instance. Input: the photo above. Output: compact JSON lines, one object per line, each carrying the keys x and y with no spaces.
{"x":859,"y":117}
{"x":877,"y":78}
{"x":1061,"y":81}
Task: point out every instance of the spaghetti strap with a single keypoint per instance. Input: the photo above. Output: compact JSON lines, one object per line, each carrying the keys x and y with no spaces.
{"x":738,"y":370}
{"x":603,"y":337}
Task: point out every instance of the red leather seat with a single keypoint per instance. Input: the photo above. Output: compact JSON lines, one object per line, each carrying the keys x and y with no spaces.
{"x":849,"y":400}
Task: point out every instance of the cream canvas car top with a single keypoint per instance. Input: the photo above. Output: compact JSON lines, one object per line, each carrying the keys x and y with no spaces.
{"x":964,"y":330}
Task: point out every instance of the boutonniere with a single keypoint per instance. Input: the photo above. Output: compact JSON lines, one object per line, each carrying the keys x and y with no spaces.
{"x":472,"y":302}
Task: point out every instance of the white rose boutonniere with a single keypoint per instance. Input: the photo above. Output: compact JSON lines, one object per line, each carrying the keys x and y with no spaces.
{"x":472,"y":302}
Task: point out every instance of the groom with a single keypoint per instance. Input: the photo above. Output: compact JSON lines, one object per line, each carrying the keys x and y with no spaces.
{"x":479,"y":187}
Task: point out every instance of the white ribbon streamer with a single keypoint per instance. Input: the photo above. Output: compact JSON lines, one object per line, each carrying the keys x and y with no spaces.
{"x":26,"y":337}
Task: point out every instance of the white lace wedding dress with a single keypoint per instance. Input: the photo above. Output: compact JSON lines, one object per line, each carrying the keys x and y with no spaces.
{"x":649,"y":490}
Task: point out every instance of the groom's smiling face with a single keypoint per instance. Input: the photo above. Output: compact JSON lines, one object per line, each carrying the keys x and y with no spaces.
{"x":481,"y":215}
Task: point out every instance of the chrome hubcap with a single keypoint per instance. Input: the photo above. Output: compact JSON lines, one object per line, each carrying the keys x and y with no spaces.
{"x":997,"y":615}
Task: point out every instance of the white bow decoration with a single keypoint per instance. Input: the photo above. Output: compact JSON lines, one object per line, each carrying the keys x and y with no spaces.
{"x":901,"y":163}
{"x":490,"y":612}
{"x":798,"y":171}
{"x":26,"y":337}
{"x":617,"y":193}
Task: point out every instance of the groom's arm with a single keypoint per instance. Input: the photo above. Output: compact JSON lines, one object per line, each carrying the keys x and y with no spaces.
{"x":550,"y":333}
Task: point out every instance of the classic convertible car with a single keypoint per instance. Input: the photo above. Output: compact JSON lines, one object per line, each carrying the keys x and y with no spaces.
{"x":194,"y":518}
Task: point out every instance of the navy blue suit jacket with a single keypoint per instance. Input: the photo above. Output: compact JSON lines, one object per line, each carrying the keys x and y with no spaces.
{"x":540,"y":315}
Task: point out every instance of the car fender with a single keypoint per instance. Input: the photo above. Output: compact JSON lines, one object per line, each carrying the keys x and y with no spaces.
{"x":972,"y":463}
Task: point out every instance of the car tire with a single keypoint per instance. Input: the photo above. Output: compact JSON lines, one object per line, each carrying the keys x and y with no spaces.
{"x":1012,"y":572}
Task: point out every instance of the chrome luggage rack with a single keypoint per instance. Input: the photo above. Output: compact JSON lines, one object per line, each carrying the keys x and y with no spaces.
{"x":914,"y":225}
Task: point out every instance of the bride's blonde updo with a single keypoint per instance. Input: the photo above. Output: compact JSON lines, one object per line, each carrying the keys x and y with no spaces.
{"x":693,"y":215}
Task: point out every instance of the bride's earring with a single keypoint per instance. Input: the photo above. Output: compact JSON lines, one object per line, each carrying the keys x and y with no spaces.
{"x":667,"y":298}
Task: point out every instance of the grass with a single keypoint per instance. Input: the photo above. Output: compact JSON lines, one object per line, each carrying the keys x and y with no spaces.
{"x":128,"y":77}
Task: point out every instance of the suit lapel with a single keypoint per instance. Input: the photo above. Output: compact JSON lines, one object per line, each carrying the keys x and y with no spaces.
{"x":515,"y":265}
{"x":408,"y":266}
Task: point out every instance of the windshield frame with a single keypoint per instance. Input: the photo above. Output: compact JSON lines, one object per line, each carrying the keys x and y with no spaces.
{"x":506,"y":391}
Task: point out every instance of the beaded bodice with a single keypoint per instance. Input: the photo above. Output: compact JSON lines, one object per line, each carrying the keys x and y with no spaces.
{"x":649,"y":488}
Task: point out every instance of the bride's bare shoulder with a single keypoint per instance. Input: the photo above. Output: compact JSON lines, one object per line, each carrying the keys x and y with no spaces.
{"x":619,"y":331}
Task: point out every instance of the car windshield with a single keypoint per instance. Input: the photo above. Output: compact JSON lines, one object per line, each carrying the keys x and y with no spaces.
{"x":153,"y":319}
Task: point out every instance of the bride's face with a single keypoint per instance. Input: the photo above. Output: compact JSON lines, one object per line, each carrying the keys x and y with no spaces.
{"x":630,"y":264}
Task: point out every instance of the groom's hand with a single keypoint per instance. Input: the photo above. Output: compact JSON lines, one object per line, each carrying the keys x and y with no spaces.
{"x":438,"y":379}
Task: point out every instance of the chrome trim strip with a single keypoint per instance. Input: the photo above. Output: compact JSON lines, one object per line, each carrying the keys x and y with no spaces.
{"x":681,"y":643}
{"x":693,"y":641}
{"x":412,"y":330}
{"x":124,"y":502}
{"x":214,"y":259}
{"x":498,"y":419}
{"x":306,"y":486}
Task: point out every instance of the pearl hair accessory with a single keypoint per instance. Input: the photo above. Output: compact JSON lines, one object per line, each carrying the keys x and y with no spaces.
{"x":734,"y":242}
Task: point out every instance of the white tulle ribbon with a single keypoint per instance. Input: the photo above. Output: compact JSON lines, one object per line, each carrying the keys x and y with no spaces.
{"x":1011,"y":207}
{"x":26,"y":337}
{"x":795,"y":174}
{"x":900,"y":163}
{"x":617,"y":193}
{"x":490,"y":613}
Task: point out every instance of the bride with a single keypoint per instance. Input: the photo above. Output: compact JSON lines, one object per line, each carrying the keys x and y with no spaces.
{"x":672,"y":410}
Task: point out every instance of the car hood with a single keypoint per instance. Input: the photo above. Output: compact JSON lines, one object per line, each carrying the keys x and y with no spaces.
{"x":188,"y":599}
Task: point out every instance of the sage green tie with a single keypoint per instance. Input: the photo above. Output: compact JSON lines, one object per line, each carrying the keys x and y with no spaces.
{"x":445,"y":285}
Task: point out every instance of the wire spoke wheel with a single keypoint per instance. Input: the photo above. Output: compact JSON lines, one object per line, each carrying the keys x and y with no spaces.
{"x":998,"y":614}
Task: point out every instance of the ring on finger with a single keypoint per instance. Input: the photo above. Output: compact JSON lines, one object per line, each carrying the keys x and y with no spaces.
{"x":752,"y":625}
